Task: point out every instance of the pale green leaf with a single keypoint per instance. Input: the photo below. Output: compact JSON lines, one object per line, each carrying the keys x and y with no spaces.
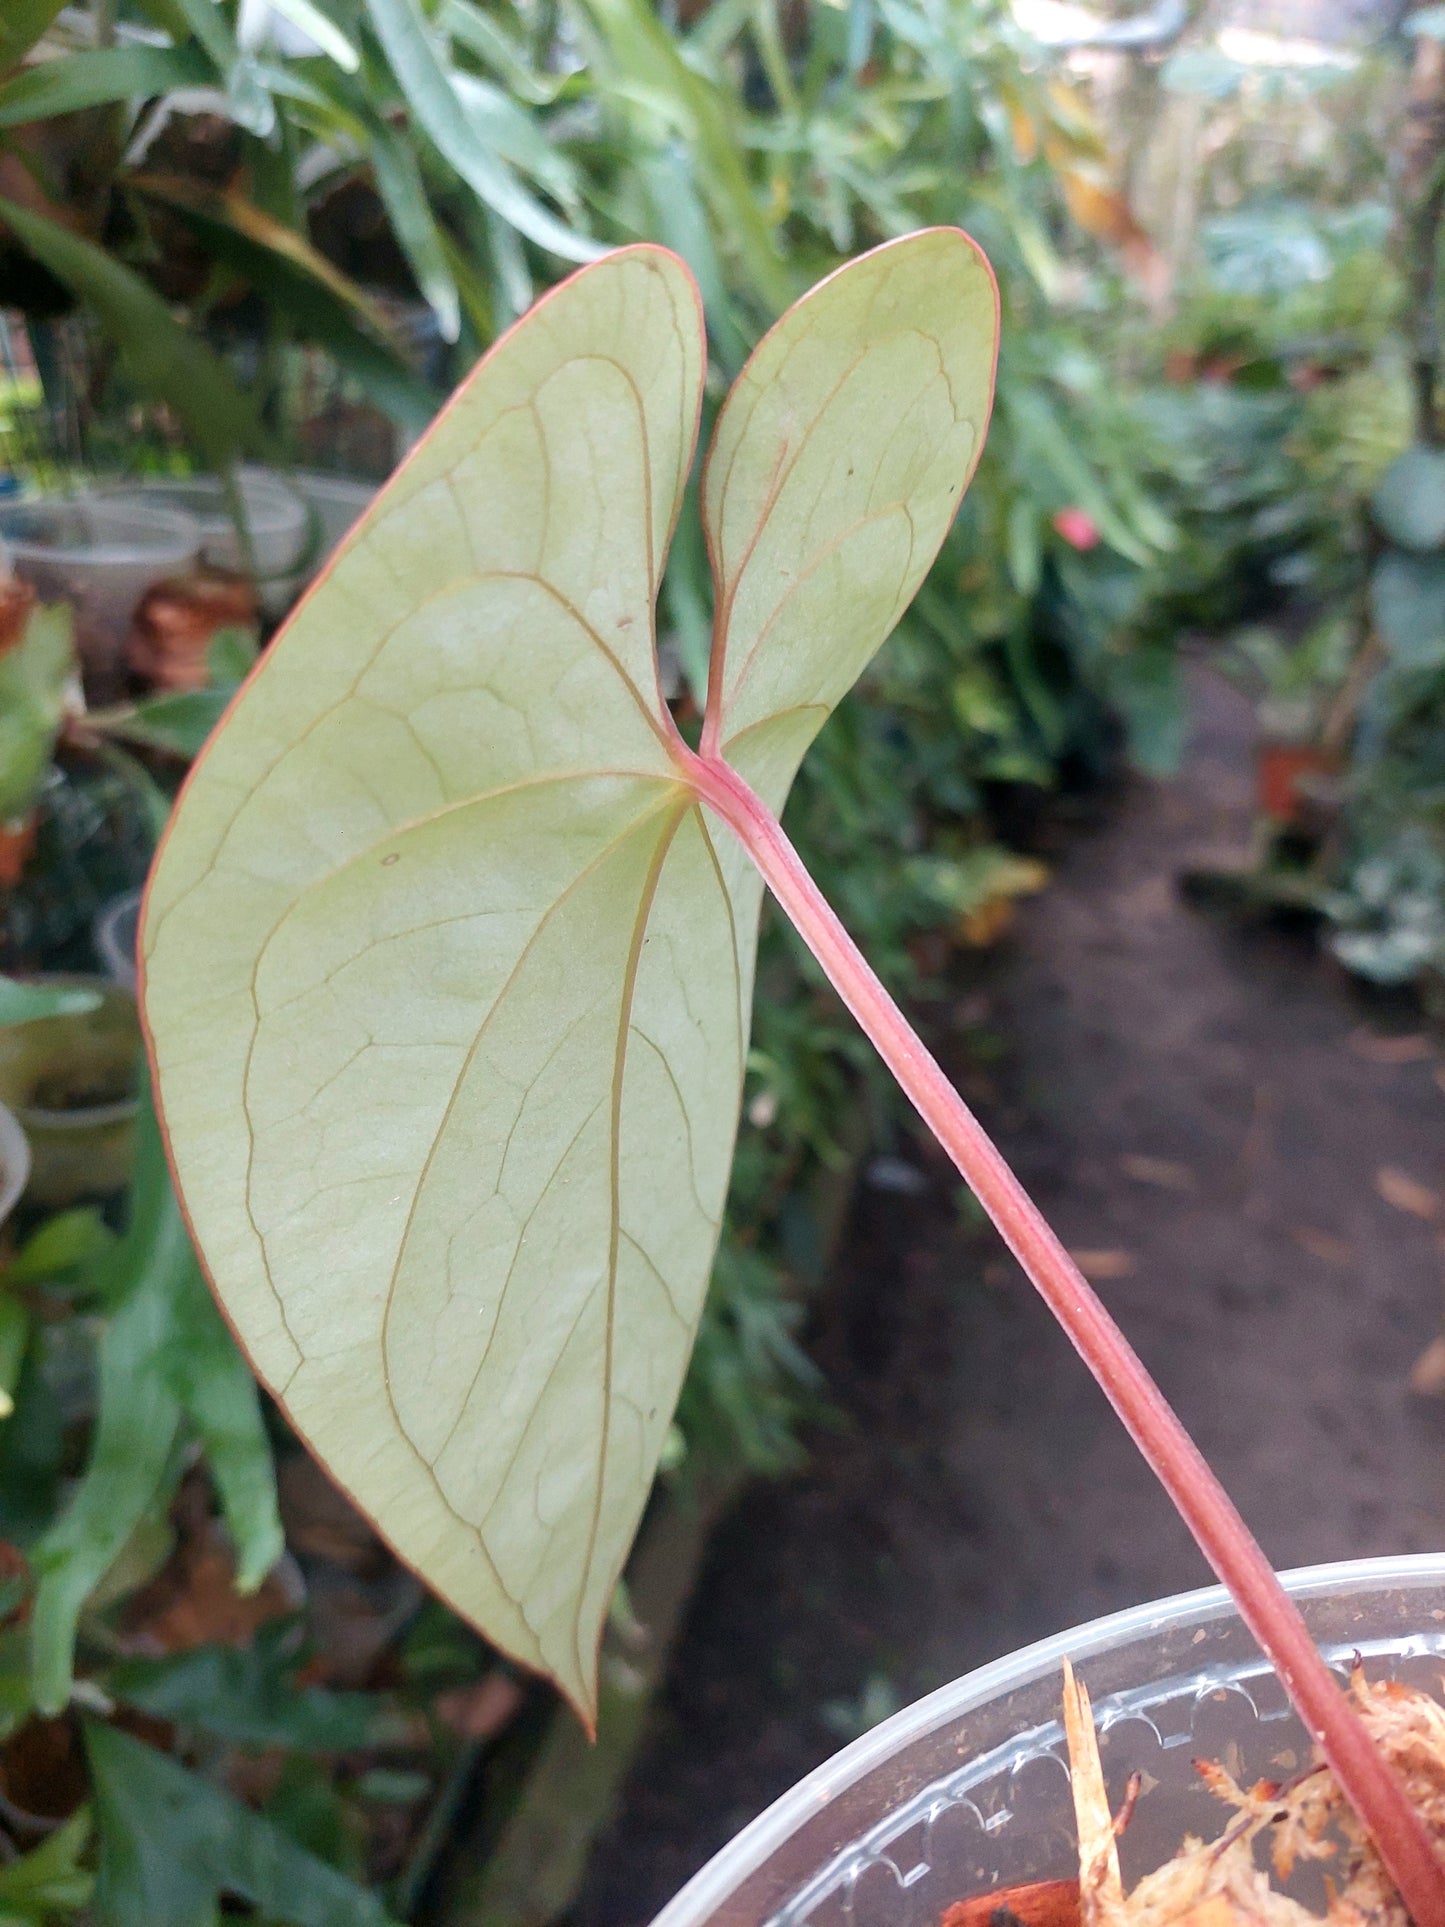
{"x":447,"y":974}
{"x":436,"y":1228}
{"x":836,"y":467}
{"x":321,"y":29}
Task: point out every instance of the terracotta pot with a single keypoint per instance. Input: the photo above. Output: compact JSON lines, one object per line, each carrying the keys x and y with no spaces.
{"x":17,"y":841}
{"x":1282,"y":773}
{"x":176,"y":620}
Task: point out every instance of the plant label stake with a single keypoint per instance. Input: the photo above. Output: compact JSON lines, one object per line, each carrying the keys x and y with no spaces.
{"x":448,"y":952}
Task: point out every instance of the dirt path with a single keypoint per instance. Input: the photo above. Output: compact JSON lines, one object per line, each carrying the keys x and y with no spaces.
{"x":1207,"y":1109}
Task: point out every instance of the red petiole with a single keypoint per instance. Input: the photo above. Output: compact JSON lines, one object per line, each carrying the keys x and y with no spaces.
{"x":1222,"y":1536}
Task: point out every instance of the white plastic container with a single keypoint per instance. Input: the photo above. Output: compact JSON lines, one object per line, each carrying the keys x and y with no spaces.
{"x":968,"y":1790}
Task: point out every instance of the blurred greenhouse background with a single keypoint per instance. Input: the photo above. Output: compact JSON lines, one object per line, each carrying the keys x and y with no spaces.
{"x":246,"y":249}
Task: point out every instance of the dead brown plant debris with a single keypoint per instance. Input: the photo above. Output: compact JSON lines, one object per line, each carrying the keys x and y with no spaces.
{"x":1219,"y":1883}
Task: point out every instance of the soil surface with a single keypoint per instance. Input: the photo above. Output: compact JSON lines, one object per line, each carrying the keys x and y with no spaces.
{"x":1243,"y":1149}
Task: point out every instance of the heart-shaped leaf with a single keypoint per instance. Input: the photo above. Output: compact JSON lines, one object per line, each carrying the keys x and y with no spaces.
{"x":447,"y":969}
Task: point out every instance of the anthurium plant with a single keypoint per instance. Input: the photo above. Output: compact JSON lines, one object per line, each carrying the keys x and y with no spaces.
{"x":447,"y":956}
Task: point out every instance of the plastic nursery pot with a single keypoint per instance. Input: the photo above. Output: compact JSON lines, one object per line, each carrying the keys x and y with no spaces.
{"x":337,"y":502}
{"x":14,"y":1162}
{"x":115,"y":938}
{"x":71,"y":1081}
{"x":99,"y":553}
{"x":279,"y":526}
{"x":967,"y":1791}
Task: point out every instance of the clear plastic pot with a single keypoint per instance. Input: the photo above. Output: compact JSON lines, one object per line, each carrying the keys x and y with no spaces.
{"x":968,"y":1790}
{"x":100,"y":553}
{"x":279,"y":525}
{"x":115,"y":938}
{"x":14,"y":1162}
{"x":337,"y":502}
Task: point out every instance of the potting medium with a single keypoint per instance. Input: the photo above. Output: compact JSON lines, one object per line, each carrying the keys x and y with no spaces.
{"x":967,"y":1791}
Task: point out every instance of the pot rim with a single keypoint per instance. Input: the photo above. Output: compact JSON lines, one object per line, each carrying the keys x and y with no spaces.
{"x":124,"y":533}
{"x":14,"y":1161}
{"x":709,"y":1889}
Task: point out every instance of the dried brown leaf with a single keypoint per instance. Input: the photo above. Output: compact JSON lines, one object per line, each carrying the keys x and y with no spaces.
{"x":1101,"y":1885}
{"x":1323,"y":1245}
{"x":1427,"y":1374}
{"x":480,"y":1711}
{"x":1375,"y":1049}
{"x":1101,"y":1266}
{"x":1038,"y":1903}
{"x":1405,"y":1193}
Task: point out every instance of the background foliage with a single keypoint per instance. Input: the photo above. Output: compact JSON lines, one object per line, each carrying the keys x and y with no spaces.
{"x":282,"y":229}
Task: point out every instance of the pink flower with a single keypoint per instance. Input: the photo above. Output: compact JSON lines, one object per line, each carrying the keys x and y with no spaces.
{"x":1078,"y":528}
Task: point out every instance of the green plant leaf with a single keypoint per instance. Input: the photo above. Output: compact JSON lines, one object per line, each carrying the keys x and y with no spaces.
{"x":248,"y":101}
{"x":72,"y":1240}
{"x":447,"y":973}
{"x":164,"y":1355}
{"x":1409,"y":503}
{"x":249,"y":1697}
{"x":178,"y":724}
{"x":1407,"y":599}
{"x":171,"y":1844}
{"x":93,"y":79}
{"x":130,"y":1458}
{"x":646,"y":56}
{"x":213,"y":1383}
{"x":49,"y":1879}
{"x":433,"y":98}
{"x":321,"y":29}
{"x":164,"y":359}
{"x":14,"y":1338}
{"x":34,"y":673}
{"x":403,"y":194}
{"x":320,"y":302}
